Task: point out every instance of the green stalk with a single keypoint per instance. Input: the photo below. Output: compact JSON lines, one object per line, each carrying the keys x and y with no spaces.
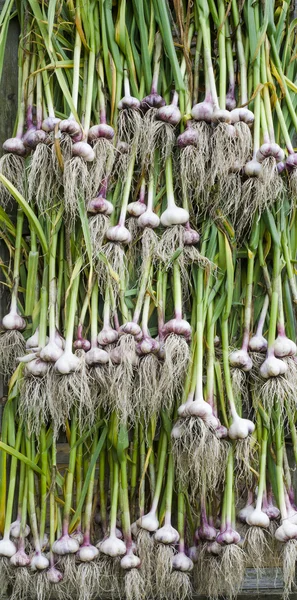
{"x":12,"y":485}
{"x":70,"y":475}
{"x":43,"y":490}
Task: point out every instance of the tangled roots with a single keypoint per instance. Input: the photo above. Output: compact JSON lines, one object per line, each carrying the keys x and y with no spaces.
{"x":177,"y":357}
{"x":163,"y":570}
{"x":147,"y":397}
{"x":134,"y":585}
{"x":116,"y":257}
{"x":41,"y":178}
{"x":171,"y":240}
{"x":88,"y":580}
{"x":100,"y":383}
{"x":227,"y":202}
{"x":281,"y":387}
{"x":149,"y":244}
{"x":145,"y":551}
{"x":130,"y":126}
{"x":13,"y":168}
{"x":232,"y":567}
{"x":98,"y":225}
{"x":257,"y":547}
{"x":223,"y":151}
{"x":122,"y":386}
{"x":243,"y":143}
{"x":76,"y":182}
{"x":12,"y":345}
{"x":243,"y":460}
{"x":21,"y":588}
{"x":208,"y":575}
{"x":102,"y":166}
{"x":239,"y":384}
{"x":6,"y":575}
{"x":200,"y":456}
{"x":180,"y":587}
{"x":156,"y":134}
{"x":293,"y":186}
{"x":289,"y":566}
{"x":71,"y":391}
{"x":34,"y":402}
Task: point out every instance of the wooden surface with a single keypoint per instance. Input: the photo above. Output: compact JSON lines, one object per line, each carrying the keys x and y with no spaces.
{"x":270,"y":582}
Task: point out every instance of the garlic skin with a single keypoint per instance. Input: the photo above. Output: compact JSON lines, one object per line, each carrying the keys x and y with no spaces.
{"x":83,"y":150}
{"x":253,"y":168}
{"x":130,"y":561}
{"x":199,"y":408}
{"x":191,"y":237}
{"x":32,"y":138}
{"x":96,"y":356}
{"x":50,"y":123}
{"x":149,"y":522}
{"x":178,"y":326}
{"x":214,"y":548}
{"x":291,"y":162}
{"x":258,"y":343}
{"x":245,"y":512}
{"x":189,"y":137}
{"x":280,"y":535}
{"x":270,"y":149}
{"x":32,"y":342}
{"x":169,"y":114}
{"x":70,"y":126}
{"x":54,"y":575}
{"x":51,"y":352}
{"x":78,"y":536}
{"x":147,"y":346}
{"x":176,"y":432}
{"x":20,"y":559}
{"x":129,"y":102}
{"x":202,"y":111}
{"x":112,"y":546}
{"x":15,"y":146}
{"x":13,"y":321}
{"x":130,"y":328}
{"x":194,"y":554}
{"x":220,"y":115}
{"x":100,"y":206}
{"x":167,"y":535}
{"x":289,"y":529}
{"x":119,"y":233}
{"x":207,"y":532}
{"x":241,"y":360}
{"x":107,"y":336}
{"x":39,"y":562}
{"x":135,"y":209}
{"x":37,"y":367}
{"x":7,"y":548}
{"x":15,"y":529}
{"x":273,"y":367}
{"x":229,"y":536}
{"x":283,"y":346}
{"x":65,"y":545}
{"x":258,"y":518}
{"x":67,"y":363}
{"x":181,"y":562}
{"x":87,"y":553}
{"x":242,"y":114}
{"x":240,"y":428}
{"x":174,"y":216}
{"x":100,"y":131}
{"x":148,"y":219}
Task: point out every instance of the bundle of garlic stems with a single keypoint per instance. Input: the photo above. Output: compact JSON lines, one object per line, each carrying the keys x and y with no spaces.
{"x":148,"y":213}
